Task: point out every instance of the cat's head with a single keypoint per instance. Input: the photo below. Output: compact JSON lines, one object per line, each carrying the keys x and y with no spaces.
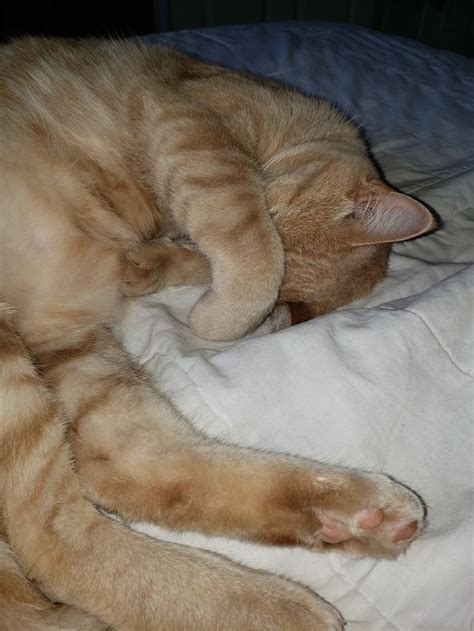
{"x":337,"y":219}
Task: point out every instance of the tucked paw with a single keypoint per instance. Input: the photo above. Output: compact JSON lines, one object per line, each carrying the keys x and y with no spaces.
{"x":215,"y":318}
{"x":154,"y":266}
{"x":163,"y":263}
{"x":144,"y":270}
{"x":223,"y":317}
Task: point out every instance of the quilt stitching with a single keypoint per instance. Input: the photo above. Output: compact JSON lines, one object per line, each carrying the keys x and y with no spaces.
{"x":357,"y":589}
{"x":443,"y":347}
{"x":186,"y":372}
{"x":430,"y":183}
{"x":342,"y":576}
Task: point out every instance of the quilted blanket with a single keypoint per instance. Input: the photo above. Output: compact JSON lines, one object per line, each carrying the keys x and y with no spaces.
{"x":384,"y":384}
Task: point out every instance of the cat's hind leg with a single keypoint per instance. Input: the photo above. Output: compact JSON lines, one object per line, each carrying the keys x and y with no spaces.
{"x":24,"y":608}
{"x":139,"y":457}
{"x":79,"y":556}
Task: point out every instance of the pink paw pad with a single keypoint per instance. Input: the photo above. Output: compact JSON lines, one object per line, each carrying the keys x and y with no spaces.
{"x":333,"y":532}
{"x":369,"y":518}
{"x":406,"y":531}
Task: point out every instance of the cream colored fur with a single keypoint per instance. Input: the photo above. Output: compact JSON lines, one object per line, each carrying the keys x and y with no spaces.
{"x":106,"y":146}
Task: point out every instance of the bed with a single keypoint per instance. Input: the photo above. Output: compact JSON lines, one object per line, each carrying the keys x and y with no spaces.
{"x":385,"y":384}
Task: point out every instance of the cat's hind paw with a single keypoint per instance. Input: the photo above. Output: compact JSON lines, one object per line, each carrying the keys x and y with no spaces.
{"x":376,"y":517}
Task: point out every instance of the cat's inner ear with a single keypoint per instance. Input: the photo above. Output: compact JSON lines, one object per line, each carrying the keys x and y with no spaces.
{"x":381,"y":215}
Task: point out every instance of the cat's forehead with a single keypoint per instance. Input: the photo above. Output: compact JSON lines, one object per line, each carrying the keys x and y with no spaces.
{"x":301,"y":158}
{"x":322,"y":181}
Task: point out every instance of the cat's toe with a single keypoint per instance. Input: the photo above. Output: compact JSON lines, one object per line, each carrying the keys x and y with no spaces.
{"x":137,"y":282}
{"x":406,"y":532}
{"x":392,"y":518}
{"x":139,"y":276}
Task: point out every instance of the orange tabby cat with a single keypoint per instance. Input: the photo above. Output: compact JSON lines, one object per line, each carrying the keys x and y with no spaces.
{"x":105,"y":146}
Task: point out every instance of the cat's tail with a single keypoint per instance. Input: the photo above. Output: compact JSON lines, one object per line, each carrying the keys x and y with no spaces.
{"x":22,"y":606}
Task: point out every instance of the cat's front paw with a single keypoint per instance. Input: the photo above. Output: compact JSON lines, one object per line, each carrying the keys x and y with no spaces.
{"x":220,"y":316}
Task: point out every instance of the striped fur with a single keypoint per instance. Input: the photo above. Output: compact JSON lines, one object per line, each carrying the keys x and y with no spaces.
{"x":105,"y":148}
{"x":77,"y":555}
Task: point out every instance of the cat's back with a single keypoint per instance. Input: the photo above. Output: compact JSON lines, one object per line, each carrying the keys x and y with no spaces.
{"x":76,"y":90}
{"x":53,"y":89}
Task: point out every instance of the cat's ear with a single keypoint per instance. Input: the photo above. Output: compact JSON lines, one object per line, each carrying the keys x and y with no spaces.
{"x":382,"y":215}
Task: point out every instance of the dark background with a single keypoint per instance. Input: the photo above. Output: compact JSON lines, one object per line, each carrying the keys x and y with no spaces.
{"x":445,"y":24}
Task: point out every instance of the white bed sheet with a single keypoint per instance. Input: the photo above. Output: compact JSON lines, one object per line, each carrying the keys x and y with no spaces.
{"x":386,"y":384}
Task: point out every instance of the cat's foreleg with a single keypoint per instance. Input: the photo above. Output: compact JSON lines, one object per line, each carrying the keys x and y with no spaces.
{"x":217,"y":198}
